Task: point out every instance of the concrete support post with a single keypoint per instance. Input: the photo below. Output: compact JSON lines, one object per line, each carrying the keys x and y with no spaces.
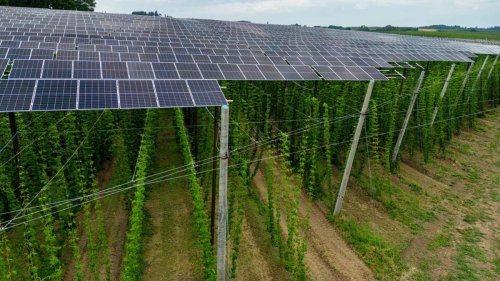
{"x":443,"y":91}
{"x":354,"y":146}
{"x":223,"y":212}
{"x":408,"y":115}
{"x":214,"y":175}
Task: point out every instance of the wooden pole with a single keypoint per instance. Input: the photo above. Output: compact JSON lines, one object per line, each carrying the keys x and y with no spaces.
{"x":223,"y":213}
{"x":354,"y":146}
{"x":443,"y":91}
{"x":214,"y":175}
{"x":408,"y":115}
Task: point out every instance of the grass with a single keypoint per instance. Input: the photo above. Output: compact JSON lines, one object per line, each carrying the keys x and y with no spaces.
{"x":455,"y":34}
{"x":400,"y":205}
{"x":443,"y":239}
{"x":383,"y":258}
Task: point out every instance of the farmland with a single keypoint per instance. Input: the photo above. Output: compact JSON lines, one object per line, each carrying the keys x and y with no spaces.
{"x":148,"y":147}
{"x":454,"y":34}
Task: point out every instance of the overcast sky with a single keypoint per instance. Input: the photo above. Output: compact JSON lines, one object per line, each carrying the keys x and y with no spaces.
{"x":483,"y":13}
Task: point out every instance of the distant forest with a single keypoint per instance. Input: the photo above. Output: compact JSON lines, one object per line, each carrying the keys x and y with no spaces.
{"x":144,"y":13}
{"x":389,"y":28}
{"x":80,"y":5}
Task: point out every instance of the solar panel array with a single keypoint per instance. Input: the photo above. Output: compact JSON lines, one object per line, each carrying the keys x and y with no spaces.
{"x":84,"y":60}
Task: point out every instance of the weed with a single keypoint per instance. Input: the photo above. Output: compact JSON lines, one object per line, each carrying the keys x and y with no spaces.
{"x":381,"y":257}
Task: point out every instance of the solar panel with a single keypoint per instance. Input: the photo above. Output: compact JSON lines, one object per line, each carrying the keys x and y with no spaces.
{"x":327,"y":73}
{"x":165,"y":71}
{"x":343,"y":73}
{"x":359,"y":73}
{"x":42,"y":54}
{"x":173,"y":93}
{"x":231,"y":72}
{"x":26,"y":69}
{"x":55,"y":95}
{"x":210,"y":71}
{"x":89,"y":55}
{"x":57,"y":69}
{"x":67,"y":55}
{"x":129,"y":57}
{"x":97,"y":94}
{"x":140,"y":70}
{"x":306,"y":72}
{"x":206,"y":93}
{"x":114,"y":70}
{"x":87,"y":70}
{"x":251,"y":72}
{"x":188,"y":71}
{"x":270,"y":72}
{"x":18,"y":54}
{"x":137,"y":94}
{"x":288,"y":72}
{"x":16,"y":95}
{"x":3,"y":66}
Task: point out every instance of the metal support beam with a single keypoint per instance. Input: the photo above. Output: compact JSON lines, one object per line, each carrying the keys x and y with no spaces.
{"x":408,"y":115}
{"x":214,"y":175}
{"x":223,"y":213}
{"x":354,"y":147}
{"x":443,"y":91}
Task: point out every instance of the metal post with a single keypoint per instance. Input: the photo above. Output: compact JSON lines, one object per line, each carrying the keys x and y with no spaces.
{"x":214,"y":175}
{"x":408,"y":115}
{"x":15,"y":139}
{"x":478,"y":77}
{"x":462,"y":88}
{"x":316,"y":88}
{"x":223,"y":214}
{"x":443,"y":91}
{"x":354,"y":146}
{"x":492,"y":68}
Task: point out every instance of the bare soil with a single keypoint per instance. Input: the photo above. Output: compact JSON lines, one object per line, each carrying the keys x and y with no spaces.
{"x":328,"y":257}
{"x":171,"y":251}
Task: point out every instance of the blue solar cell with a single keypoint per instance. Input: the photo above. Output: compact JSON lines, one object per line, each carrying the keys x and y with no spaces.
{"x":55,"y":95}
{"x":98,"y":94}
{"x":87,"y":70}
{"x":164,"y":70}
{"x":16,"y":95}
{"x":137,"y":94}
{"x":206,"y":93}
{"x":57,"y":69}
{"x":173,"y":93}
{"x":26,"y":69}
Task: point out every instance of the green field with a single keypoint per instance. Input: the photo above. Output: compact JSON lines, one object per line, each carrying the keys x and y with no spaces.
{"x":455,"y":34}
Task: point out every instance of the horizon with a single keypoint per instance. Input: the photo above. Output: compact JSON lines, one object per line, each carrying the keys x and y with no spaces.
{"x":408,"y":13}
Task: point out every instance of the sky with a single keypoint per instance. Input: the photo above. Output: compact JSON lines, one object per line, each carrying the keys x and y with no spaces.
{"x":482,"y":13}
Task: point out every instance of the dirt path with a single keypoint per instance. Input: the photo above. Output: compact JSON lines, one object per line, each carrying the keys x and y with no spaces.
{"x":116,"y":216}
{"x":328,"y":256}
{"x":253,"y":265}
{"x":170,"y":249}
